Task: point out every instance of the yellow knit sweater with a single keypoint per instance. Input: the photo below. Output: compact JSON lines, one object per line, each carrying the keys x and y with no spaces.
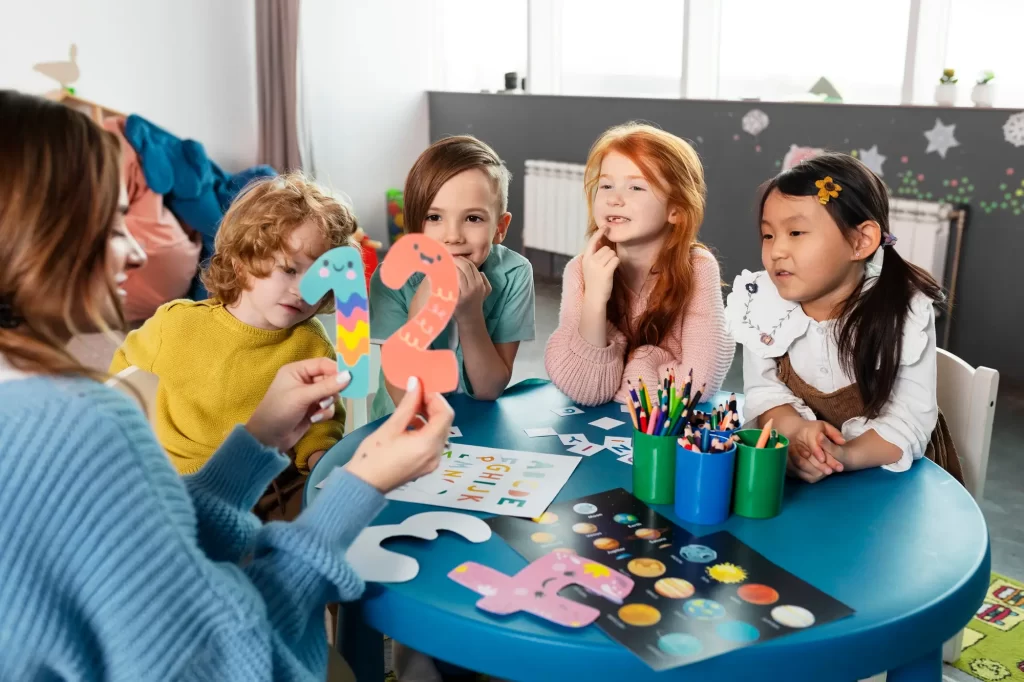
{"x":214,"y":370}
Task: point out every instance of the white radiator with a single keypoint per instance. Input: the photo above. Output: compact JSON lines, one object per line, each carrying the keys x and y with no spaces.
{"x":555,"y":207}
{"x":922,"y":231}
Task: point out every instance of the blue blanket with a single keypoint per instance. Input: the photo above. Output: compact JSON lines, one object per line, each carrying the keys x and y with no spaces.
{"x":196,"y":189}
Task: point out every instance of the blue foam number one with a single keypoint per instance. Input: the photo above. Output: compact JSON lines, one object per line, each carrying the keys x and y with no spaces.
{"x":341,"y":270}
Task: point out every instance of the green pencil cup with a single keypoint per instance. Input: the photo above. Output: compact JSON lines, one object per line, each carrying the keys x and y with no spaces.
{"x":654,"y":468}
{"x":760,"y":476}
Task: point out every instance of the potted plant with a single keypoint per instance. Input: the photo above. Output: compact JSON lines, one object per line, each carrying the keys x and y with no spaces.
{"x":945,"y":91}
{"x":984,"y":91}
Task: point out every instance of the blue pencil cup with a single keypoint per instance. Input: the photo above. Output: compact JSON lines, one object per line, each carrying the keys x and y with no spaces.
{"x":704,"y":484}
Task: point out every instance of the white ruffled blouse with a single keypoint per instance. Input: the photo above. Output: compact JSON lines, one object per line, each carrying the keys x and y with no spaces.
{"x":769,"y":326}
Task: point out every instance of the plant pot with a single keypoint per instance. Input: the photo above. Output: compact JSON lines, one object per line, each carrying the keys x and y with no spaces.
{"x":945,"y":94}
{"x":983,"y":94}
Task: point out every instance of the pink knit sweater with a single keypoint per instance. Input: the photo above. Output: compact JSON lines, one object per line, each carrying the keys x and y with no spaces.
{"x":698,"y":340}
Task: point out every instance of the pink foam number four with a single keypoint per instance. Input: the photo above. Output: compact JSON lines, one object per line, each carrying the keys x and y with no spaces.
{"x":535,"y":588}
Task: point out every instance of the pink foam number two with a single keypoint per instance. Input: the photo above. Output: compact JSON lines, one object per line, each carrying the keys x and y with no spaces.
{"x":535,"y":588}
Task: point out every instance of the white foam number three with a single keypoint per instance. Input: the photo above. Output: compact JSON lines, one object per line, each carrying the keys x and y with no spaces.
{"x":373,"y":563}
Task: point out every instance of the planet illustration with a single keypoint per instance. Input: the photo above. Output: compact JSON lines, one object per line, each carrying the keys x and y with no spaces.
{"x":646,"y":568}
{"x":584,"y":508}
{"x":547,"y":518}
{"x":584,"y":528}
{"x":639,"y":615}
{"x":625,"y":519}
{"x":727,"y":573}
{"x":793,"y":616}
{"x":699,"y":554}
{"x":704,"y":609}
{"x":674,"y":588}
{"x":737,"y":631}
{"x":541,"y":537}
{"x":606,"y":543}
{"x":647,"y":534}
{"x":678,"y":644}
{"x":761,"y":595}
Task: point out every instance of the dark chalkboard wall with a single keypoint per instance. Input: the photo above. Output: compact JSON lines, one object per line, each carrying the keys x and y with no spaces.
{"x":985,"y":173}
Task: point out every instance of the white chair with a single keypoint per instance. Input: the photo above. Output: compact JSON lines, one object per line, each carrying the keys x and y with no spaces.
{"x":967,"y":398}
{"x":358,"y":410}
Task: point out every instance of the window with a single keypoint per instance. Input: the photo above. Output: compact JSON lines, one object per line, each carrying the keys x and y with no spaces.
{"x":778,"y":50}
{"x":986,"y":35}
{"x":609,"y":47}
{"x":476,"y":43}
{"x":730,"y":49}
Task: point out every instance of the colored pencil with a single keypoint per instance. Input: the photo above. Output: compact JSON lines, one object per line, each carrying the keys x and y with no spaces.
{"x":766,"y":433}
{"x":632,"y":414}
{"x":651,"y":421}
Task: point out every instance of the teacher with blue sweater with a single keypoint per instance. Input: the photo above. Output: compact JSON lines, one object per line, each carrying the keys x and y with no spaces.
{"x":112,"y":567}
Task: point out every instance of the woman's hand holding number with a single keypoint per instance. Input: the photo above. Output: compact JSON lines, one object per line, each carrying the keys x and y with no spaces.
{"x":409,"y":444}
{"x":302,"y":393}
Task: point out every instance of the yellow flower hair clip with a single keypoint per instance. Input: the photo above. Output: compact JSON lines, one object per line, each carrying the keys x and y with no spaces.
{"x":827,"y":189}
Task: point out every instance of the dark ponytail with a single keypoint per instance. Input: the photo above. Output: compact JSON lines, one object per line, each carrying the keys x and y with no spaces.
{"x":870,"y":329}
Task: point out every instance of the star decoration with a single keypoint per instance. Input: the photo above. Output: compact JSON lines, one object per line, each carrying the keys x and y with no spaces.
{"x":940,"y":138}
{"x":872,"y":159}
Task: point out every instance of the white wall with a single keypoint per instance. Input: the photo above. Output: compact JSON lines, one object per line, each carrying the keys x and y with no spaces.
{"x":367,"y":67}
{"x":187,"y":65}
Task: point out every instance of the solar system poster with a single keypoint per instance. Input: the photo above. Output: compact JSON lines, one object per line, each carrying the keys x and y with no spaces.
{"x":694,"y":597}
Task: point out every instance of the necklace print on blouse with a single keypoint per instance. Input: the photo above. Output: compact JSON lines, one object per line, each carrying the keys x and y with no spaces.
{"x":767,"y":337}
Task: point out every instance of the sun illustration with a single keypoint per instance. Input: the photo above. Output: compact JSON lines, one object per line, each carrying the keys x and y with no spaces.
{"x":597,"y":570}
{"x":727,"y":573}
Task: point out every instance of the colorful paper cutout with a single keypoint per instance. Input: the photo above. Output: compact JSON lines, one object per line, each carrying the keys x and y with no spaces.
{"x":940,"y":138}
{"x":373,"y":563}
{"x":606,"y":423}
{"x":535,"y":588}
{"x":754,"y":122}
{"x":406,"y":353}
{"x":873,"y":160}
{"x":1013,"y":129}
{"x":341,"y":271}
{"x":796,"y":154}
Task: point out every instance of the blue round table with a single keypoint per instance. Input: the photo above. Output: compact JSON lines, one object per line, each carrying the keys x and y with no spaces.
{"x":908,"y":551}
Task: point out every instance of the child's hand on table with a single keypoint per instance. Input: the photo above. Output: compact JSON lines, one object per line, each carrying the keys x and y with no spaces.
{"x":812,"y":451}
{"x":409,"y":444}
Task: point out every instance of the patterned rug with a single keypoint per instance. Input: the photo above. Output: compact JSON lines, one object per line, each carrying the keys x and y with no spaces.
{"x":994,"y":639}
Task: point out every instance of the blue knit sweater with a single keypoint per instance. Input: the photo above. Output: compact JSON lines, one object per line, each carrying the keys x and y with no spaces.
{"x":114,"y":568}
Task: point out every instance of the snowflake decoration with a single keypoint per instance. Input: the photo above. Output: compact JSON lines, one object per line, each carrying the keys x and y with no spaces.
{"x":872,"y":159}
{"x":940,"y":138}
{"x":754,"y":122}
{"x":1013,"y":129}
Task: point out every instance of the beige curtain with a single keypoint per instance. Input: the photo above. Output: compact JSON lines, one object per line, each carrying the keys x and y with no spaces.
{"x":277,"y":43}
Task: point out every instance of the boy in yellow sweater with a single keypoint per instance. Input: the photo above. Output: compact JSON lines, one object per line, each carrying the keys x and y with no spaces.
{"x":216,"y":358}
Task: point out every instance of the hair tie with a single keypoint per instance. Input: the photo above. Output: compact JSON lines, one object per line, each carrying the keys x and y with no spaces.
{"x":8,"y":320}
{"x":888,"y":239}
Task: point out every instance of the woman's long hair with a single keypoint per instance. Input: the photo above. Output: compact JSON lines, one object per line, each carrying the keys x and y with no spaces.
{"x":59,"y":185}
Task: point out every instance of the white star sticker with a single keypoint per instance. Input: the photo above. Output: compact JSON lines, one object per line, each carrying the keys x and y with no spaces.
{"x":873,"y":160}
{"x":940,"y":138}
